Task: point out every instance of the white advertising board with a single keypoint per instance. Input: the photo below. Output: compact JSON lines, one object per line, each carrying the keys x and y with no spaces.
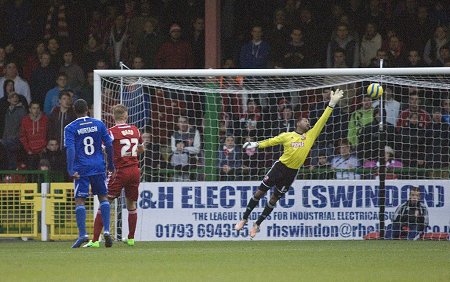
{"x":311,"y":210}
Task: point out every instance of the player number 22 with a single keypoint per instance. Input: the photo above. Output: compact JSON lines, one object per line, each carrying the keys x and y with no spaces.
{"x":127,"y":144}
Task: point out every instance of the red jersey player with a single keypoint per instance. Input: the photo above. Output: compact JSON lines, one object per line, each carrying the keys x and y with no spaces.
{"x":127,"y":144}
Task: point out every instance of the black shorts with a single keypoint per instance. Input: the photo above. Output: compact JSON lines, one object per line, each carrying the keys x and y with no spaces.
{"x":279,"y":176}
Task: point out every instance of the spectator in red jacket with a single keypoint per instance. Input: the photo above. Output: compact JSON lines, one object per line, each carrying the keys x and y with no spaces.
{"x":175,"y":53}
{"x":33,"y":134}
{"x":414,"y":107}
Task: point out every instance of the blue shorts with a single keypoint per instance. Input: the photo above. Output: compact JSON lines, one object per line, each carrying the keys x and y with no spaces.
{"x":98,"y":185}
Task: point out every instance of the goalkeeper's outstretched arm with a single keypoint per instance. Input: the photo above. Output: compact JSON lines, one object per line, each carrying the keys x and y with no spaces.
{"x":314,"y":132}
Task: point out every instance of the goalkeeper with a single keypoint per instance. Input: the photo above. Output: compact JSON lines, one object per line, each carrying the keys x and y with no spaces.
{"x":296,"y":147}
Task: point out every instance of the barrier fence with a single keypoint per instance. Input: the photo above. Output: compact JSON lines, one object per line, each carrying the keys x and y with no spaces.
{"x":40,"y":210}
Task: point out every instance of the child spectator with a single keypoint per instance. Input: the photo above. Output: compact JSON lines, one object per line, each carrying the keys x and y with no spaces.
{"x":55,"y":158}
{"x":179,"y":160}
{"x":230,"y":161}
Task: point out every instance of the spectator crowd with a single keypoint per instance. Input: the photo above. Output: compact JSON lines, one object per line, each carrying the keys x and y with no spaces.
{"x":49,"y":49}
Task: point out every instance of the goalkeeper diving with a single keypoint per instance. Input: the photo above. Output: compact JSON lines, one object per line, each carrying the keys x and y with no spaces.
{"x":296,"y":147}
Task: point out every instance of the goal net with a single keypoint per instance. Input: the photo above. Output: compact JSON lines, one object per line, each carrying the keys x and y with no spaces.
{"x":194,"y":122}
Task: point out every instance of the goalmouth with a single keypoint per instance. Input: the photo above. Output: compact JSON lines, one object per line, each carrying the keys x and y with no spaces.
{"x":391,"y":149}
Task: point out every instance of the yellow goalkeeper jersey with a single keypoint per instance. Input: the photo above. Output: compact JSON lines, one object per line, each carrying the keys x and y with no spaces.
{"x":296,"y":146}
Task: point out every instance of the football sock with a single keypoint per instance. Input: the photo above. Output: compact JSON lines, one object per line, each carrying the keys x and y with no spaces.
{"x":267,"y":210}
{"x":250,"y":206}
{"x":98,"y":225}
{"x":132,"y":219}
{"x":80,"y":213}
{"x":105,"y":209}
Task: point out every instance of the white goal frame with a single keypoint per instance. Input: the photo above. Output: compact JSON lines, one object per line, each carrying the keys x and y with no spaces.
{"x":98,"y":74}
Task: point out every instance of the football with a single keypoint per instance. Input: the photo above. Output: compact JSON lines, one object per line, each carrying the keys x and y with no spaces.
{"x":374,"y":90}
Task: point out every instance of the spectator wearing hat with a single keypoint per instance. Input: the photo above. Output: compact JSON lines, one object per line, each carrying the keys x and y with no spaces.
{"x":174,"y":53}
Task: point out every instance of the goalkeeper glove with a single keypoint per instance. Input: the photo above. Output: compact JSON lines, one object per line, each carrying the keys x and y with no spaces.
{"x":335,"y":97}
{"x":250,"y":145}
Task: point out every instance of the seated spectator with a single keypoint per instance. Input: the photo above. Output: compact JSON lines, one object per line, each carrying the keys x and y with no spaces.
{"x":33,"y":134}
{"x":390,"y":162}
{"x":339,"y":59}
{"x":345,"y":162}
{"x":382,"y":56}
{"x":10,"y":139}
{"x":55,"y":158}
{"x":322,"y":169}
{"x":230,"y":161}
{"x":189,"y":135}
{"x":179,"y":160}
{"x":414,"y":59}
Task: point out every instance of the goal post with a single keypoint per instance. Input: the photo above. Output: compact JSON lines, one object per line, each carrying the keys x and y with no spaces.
{"x":195,"y":122}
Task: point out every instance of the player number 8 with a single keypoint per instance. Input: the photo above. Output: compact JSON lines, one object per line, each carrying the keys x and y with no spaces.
{"x":89,"y":148}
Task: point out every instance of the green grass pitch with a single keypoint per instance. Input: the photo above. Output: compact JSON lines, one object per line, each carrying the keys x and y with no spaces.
{"x":228,"y":261}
